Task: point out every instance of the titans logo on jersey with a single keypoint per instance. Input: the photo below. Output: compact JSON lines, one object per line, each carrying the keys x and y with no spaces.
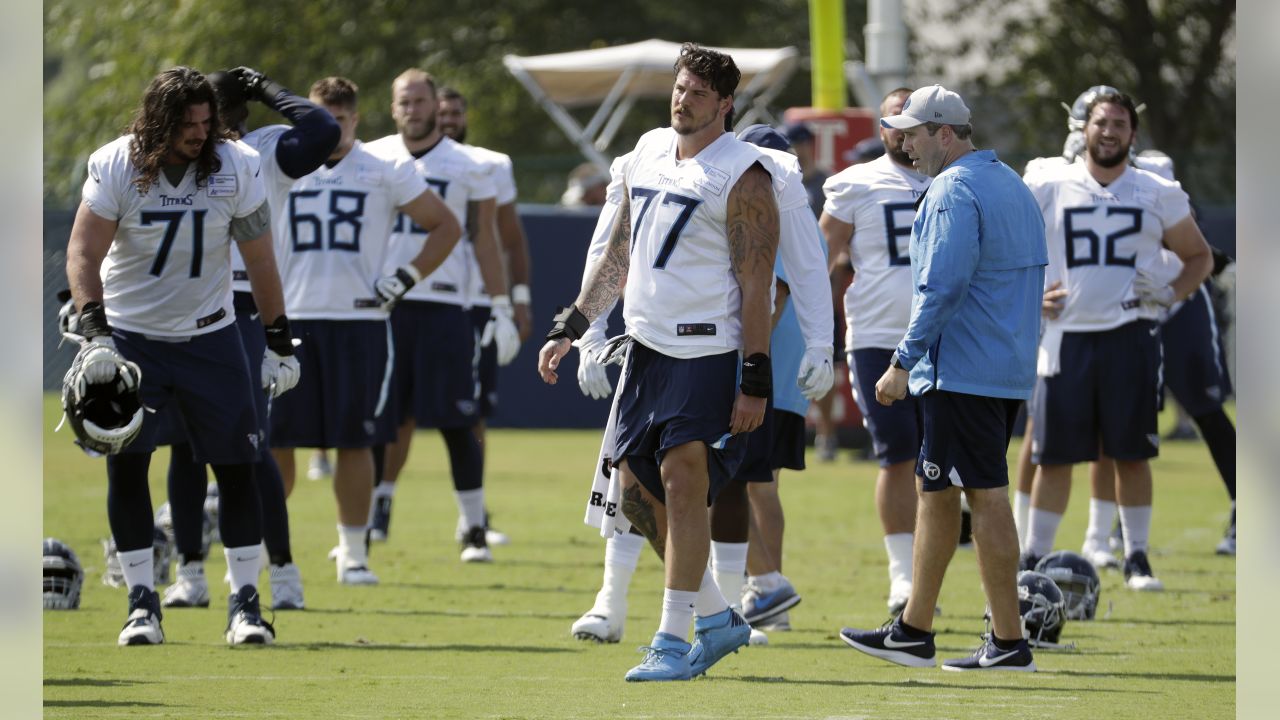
{"x":168,"y":272}
{"x":878,"y":198}
{"x":333,"y":232}
{"x":453,"y":174}
{"x":1099,"y":236}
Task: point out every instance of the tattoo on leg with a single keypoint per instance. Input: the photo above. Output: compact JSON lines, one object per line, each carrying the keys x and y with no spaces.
{"x":640,"y":512}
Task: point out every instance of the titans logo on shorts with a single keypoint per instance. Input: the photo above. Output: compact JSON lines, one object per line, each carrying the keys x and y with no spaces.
{"x":1107,"y":389}
{"x":210,"y":386}
{"x":488,"y":364}
{"x":436,"y":365}
{"x":965,"y":440}
{"x":895,"y":430}
{"x":1195,"y":369}
{"x":666,"y":402}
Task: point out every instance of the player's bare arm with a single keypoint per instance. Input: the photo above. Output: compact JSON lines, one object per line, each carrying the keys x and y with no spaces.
{"x":515,"y":247}
{"x":264,"y":276}
{"x":838,"y":234}
{"x":753,"y":227}
{"x":91,"y":236}
{"x":482,"y":218}
{"x":431,"y":214}
{"x":1186,"y":241}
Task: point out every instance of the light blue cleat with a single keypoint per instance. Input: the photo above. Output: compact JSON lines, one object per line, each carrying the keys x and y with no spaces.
{"x":714,"y":637}
{"x":667,"y":658}
{"x":759,"y":606}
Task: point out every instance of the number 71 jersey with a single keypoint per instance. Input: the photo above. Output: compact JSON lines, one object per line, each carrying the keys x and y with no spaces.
{"x":682,"y":297}
{"x":1099,"y":237}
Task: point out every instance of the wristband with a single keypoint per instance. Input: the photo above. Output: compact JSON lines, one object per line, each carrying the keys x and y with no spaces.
{"x":279,"y":339}
{"x":520,"y":295}
{"x":757,"y":376}
{"x":93,"y":321}
{"x":570,"y":324}
{"x":408,"y":275}
{"x":895,"y":362}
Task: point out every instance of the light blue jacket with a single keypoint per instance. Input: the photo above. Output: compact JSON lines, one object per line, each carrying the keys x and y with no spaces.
{"x":977,"y":268}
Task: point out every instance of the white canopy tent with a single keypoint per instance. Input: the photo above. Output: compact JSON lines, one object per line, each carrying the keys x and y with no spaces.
{"x":615,"y":77}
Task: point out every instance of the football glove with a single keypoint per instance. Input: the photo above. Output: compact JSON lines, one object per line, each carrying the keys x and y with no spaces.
{"x":592,"y":378}
{"x":501,"y":329}
{"x":390,"y":288}
{"x":100,"y":360}
{"x":816,"y":373}
{"x":1153,"y":293}
{"x":280,"y":368}
{"x":256,"y":85}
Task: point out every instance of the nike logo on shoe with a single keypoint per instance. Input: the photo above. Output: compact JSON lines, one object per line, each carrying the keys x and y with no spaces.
{"x":889,"y":642}
{"x":988,"y":661}
{"x":136,"y":564}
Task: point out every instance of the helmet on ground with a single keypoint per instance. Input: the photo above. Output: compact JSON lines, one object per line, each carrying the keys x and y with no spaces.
{"x":63,"y":576}
{"x":1078,"y":580}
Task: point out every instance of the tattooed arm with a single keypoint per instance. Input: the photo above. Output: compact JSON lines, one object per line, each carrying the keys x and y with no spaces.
{"x":752,"y":226}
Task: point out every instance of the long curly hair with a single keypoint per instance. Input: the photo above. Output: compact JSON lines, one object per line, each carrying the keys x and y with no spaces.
{"x":159,"y":120}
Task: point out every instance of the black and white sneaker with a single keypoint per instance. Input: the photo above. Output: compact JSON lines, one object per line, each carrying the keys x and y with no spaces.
{"x":245,"y":625}
{"x":380,"y":519}
{"x":1227,"y":545}
{"x":1138,"y":575}
{"x":991,"y":657}
{"x":891,"y":642}
{"x":475,"y":547}
{"x":143,"y":625}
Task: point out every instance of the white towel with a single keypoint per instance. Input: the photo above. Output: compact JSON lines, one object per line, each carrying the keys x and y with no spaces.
{"x":606,"y":489}
{"x":1048,"y":362}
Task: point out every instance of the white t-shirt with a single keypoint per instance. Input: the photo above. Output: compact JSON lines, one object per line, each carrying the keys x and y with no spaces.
{"x":168,"y":271}
{"x":334,"y":232}
{"x":682,"y":298}
{"x":1099,"y":236}
{"x":454,"y":175}
{"x":878,"y":198}
{"x":503,"y":175}
{"x":277,"y":185}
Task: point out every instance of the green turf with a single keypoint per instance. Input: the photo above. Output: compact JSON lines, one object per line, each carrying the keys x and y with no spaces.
{"x":438,"y":639}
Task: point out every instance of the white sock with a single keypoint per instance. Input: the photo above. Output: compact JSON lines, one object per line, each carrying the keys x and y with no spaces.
{"x":729,"y":567}
{"x":1102,"y":515}
{"x":1021,"y":511}
{"x":709,"y":600}
{"x":1041,"y":531}
{"x":384,"y":489}
{"x":138,"y":567}
{"x":351,"y":540}
{"x":767,"y":582}
{"x":1136,"y":521}
{"x":621,"y":555}
{"x":677,"y":612}
{"x":471,"y":506}
{"x":898,"y":546}
{"x":244,"y":564}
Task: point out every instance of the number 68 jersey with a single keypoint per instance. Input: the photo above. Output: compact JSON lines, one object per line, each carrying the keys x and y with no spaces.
{"x":682,"y":298}
{"x":168,"y":271}
{"x":1099,"y":237}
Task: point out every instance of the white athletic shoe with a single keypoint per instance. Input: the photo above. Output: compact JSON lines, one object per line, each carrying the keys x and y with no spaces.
{"x":333,"y":553}
{"x":143,"y":625}
{"x":319,"y":468}
{"x":475,"y":547}
{"x":286,"y":587}
{"x":352,"y":573}
{"x":599,"y":626}
{"x":1100,"y":556}
{"x":491,"y":536}
{"x":190,"y":589}
{"x":1138,"y":575}
{"x":758,"y":638}
{"x":245,"y":625}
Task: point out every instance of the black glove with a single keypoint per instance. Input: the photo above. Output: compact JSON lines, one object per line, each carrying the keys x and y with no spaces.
{"x":256,"y":85}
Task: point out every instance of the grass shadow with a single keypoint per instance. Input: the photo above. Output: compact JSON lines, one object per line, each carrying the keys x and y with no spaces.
{"x":101,"y":704}
{"x":91,"y":682}
{"x":917,"y":686}
{"x":423,"y":647}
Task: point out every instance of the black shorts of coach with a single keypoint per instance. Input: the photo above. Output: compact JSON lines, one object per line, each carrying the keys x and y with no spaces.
{"x":966,"y":438}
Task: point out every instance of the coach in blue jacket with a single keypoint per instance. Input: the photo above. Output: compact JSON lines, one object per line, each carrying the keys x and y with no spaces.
{"x":977,"y":267}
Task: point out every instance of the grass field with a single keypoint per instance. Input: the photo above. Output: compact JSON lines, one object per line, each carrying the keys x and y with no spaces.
{"x":438,"y":639}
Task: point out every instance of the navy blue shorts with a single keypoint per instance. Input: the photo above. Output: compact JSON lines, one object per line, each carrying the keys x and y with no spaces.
{"x":212,"y":389}
{"x":757,"y":460}
{"x":488,"y":364}
{"x":1107,"y":391}
{"x":776,"y":445}
{"x":343,"y":390}
{"x":1195,"y":368}
{"x":895,"y":430}
{"x":666,"y":402}
{"x":966,"y":438}
{"x":436,"y":382}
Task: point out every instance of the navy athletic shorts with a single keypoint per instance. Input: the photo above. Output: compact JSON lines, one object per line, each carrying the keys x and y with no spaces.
{"x":1108,"y":390}
{"x":1195,"y":368}
{"x":895,"y":430}
{"x":436,"y":373}
{"x":966,"y":438}
{"x":488,"y":364}
{"x":666,"y":402}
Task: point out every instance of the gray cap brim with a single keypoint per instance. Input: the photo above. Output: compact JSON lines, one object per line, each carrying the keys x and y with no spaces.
{"x":900,"y":122}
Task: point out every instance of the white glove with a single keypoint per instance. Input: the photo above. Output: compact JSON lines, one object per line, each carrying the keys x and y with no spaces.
{"x":592,"y":378}
{"x":279,"y":372}
{"x":99,"y":359}
{"x":817,"y":373}
{"x":501,"y":329}
{"x":1151,"y":292}
{"x":390,"y":288}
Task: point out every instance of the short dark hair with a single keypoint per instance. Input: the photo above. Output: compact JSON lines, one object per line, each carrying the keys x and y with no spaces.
{"x":336,"y":91}
{"x":451,"y":93}
{"x":962,"y":131}
{"x":716,"y":68}
{"x":1120,"y":99}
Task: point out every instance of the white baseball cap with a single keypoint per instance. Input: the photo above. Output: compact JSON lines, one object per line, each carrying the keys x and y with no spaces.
{"x":933,"y":103}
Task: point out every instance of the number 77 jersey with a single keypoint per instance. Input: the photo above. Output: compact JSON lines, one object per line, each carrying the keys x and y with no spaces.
{"x":682,"y":297}
{"x":1100,"y":237}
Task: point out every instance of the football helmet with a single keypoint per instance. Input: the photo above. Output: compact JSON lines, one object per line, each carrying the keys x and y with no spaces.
{"x":161,"y":557}
{"x":1078,"y":580}
{"x":1077,"y":113}
{"x":1042,"y":607}
{"x":105,"y":417}
{"x":164,"y":521}
{"x":63,"y":576}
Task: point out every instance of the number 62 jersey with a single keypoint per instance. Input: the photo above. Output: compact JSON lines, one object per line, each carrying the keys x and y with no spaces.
{"x":1100,"y":237}
{"x":168,"y":271}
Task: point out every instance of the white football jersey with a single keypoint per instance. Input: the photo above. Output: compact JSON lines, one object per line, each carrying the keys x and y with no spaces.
{"x":504,"y":184}
{"x":168,"y":271}
{"x":334,"y":233}
{"x":1098,"y":237}
{"x":682,"y":298}
{"x":614,"y":194}
{"x":454,"y":175}
{"x":277,"y":185}
{"x":878,"y":198}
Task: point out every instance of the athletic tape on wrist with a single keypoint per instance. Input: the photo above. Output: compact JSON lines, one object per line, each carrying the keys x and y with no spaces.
{"x":570,"y":324}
